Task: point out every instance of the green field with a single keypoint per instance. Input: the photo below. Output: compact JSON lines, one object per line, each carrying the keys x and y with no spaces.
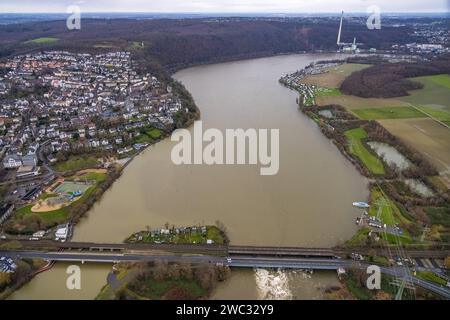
{"x":388,"y":113}
{"x":387,"y":211}
{"x":136,"y":45}
{"x":347,"y":69}
{"x":43,"y":40}
{"x":357,"y":148}
{"x":47,"y":196}
{"x":440,"y":79}
{"x":436,"y":92}
{"x":328,"y":92}
{"x":384,"y":208}
{"x":93,"y":176}
{"x":359,"y":238}
{"x":430,"y":276}
{"x":76,"y":163}
{"x":437,"y":113}
{"x":148,"y":135}
{"x":49,"y":218}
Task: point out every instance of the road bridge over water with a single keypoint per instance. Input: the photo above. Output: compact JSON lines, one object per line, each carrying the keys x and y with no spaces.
{"x":232,"y":256}
{"x":225,"y":250}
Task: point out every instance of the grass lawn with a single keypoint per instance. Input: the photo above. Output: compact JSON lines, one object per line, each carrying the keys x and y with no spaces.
{"x":392,"y":239}
{"x":157,"y":289}
{"x":388,"y":113}
{"x":148,"y":136}
{"x":437,"y":113}
{"x":335,"y":75}
{"x":385,"y":208}
{"x":360,"y":293}
{"x":57,"y":216}
{"x":382,"y":208}
{"x":76,"y":163}
{"x":93,"y":176}
{"x":43,"y":40}
{"x":440,"y":79}
{"x":435,"y":92}
{"x":347,"y":69}
{"x":357,"y":148}
{"x":430,"y":276}
{"x":136,"y":45}
{"x":359,"y":238}
{"x":47,"y":195}
{"x":328,"y":92}
{"x":154,"y":133}
{"x":381,"y":260}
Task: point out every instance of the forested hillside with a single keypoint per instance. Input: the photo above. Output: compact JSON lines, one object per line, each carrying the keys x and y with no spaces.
{"x":390,"y":80}
{"x":178,"y":43}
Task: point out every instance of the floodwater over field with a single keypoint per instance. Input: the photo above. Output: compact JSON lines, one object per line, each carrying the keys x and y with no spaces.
{"x":419,"y":187}
{"x":308,"y":203}
{"x":390,"y":155}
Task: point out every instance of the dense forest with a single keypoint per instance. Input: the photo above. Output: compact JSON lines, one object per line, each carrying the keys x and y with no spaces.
{"x":390,"y":80}
{"x":178,"y":43}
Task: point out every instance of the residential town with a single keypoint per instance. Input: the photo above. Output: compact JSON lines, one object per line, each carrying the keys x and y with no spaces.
{"x":57,"y":105}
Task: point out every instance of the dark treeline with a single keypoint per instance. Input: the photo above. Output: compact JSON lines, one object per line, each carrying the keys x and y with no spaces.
{"x":343,"y":121}
{"x":179,"y":43}
{"x":390,"y":80}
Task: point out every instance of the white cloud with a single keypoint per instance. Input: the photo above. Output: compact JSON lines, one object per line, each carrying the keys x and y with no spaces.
{"x":226,"y":6}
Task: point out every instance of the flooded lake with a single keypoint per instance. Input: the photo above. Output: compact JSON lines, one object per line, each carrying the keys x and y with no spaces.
{"x":390,"y":155}
{"x":419,"y":187}
{"x":308,"y":203}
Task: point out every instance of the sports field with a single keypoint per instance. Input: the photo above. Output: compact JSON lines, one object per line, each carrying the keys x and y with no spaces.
{"x":69,"y":187}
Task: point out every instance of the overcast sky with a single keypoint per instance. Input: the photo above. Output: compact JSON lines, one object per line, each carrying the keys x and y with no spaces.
{"x":225,"y":6}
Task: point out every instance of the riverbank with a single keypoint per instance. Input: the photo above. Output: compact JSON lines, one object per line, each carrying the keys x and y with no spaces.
{"x":236,"y":195}
{"x":69,"y":209}
{"x":161,"y":281}
{"x":181,"y":235}
{"x":25,"y":271}
{"x":400,"y":209}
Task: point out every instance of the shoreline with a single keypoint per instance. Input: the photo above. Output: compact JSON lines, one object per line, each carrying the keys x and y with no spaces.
{"x":337,"y":128}
{"x":197,"y":115}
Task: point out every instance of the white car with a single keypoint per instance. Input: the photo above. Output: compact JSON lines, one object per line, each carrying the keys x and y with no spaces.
{"x":229,"y":260}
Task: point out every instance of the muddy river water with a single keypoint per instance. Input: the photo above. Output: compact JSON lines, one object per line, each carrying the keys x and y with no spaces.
{"x":308,"y":203}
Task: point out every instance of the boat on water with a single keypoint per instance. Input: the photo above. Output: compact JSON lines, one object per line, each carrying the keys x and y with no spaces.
{"x":361,"y":204}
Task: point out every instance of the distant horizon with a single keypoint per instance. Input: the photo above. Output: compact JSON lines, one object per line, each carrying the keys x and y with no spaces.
{"x":224,"y":6}
{"x":230,"y":13}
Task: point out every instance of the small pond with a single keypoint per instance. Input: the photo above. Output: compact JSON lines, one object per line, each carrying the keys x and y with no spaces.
{"x":390,"y":155}
{"x":326,"y":113}
{"x":419,"y":187}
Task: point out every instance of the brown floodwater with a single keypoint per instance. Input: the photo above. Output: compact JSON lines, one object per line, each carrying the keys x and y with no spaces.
{"x":308,"y":203}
